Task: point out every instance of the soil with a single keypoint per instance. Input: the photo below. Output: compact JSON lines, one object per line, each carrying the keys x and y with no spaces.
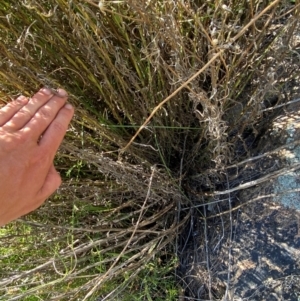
{"x":245,"y":245}
{"x":266,"y":248}
{"x":248,"y":247}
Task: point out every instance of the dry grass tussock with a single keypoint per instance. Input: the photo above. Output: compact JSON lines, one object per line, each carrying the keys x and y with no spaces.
{"x":164,"y":93}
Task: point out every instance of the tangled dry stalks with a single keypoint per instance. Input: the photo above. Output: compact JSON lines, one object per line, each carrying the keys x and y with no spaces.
{"x":166,"y":93}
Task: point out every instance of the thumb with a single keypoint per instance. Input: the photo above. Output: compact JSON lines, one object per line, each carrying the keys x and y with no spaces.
{"x":52,"y":182}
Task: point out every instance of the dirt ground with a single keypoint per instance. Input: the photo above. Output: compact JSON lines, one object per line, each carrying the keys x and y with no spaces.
{"x":266,"y":246}
{"x":245,"y":245}
{"x":265,"y":254}
{"x":249,"y":249}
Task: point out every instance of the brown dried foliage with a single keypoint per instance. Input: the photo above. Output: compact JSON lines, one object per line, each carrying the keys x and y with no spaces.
{"x":189,"y":77}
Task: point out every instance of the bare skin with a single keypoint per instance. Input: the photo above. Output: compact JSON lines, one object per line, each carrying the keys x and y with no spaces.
{"x":31,"y":131}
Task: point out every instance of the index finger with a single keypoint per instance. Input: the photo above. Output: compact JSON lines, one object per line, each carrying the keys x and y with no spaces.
{"x":56,"y":131}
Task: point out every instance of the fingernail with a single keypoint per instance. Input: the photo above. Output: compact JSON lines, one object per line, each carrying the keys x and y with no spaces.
{"x":62,"y":93}
{"x":46,"y":91}
{"x":68,"y":106}
{"x":22,"y":99}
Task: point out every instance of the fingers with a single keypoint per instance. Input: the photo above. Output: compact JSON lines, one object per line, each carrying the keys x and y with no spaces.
{"x":27,"y":112}
{"x":55,"y":133}
{"x":7,"y":112}
{"x":45,"y":115}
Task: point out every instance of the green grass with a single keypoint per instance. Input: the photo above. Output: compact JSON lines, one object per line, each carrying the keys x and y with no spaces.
{"x":156,"y":276}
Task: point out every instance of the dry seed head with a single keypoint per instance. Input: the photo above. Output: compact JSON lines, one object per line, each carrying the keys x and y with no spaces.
{"x":226,"y":8}
{"x":214,"y":42}
{"x":101,"y":3}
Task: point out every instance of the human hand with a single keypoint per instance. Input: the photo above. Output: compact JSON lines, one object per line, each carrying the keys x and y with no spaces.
{"x":31,"y":131}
